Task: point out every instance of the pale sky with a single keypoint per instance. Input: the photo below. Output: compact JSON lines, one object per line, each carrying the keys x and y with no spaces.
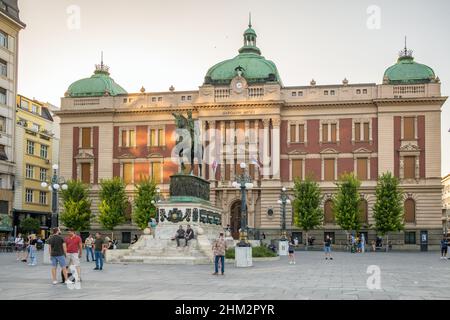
{"x":158,"y":43}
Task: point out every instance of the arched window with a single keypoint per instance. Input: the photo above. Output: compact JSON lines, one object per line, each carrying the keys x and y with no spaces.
{"x":328,"y":211}
{"x":363,"y":211}
{"x":409,"y":209}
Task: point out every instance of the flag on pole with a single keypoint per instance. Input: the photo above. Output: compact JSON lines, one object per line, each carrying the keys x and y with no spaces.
{"x":214,"y":165}
{"x":256,"y":163}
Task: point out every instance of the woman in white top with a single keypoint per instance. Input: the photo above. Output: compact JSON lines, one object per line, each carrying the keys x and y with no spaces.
{"x":18,"y":242}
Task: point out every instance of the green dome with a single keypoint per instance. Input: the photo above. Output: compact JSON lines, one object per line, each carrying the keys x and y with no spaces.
{"x":407,"y":71}
{"x":249,"y":62}
{"x":99,"y":84}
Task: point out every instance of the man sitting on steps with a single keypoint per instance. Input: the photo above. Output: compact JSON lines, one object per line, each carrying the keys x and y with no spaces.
{"x":180,"y":235}
{"x":189,"y":234}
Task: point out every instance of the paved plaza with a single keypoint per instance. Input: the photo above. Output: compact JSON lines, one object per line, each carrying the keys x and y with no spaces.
{"x":403,"y":276}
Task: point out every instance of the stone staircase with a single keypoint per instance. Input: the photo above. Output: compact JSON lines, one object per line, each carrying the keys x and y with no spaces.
{"x":152,"y":251}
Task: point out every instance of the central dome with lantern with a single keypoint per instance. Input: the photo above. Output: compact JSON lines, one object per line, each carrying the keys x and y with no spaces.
{"x":249,"y":63}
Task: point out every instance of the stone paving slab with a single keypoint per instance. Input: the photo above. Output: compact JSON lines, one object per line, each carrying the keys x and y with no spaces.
{"x":403,"y":276}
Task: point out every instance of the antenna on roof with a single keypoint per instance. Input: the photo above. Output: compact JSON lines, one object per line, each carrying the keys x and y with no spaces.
{"x":101,"y":63}
{"x":249,"y":19}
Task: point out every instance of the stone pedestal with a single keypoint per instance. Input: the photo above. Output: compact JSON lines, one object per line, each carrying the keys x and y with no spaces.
{"x":283,"y":248}
{"x":46,"y":258}
{"x":243,"y":257}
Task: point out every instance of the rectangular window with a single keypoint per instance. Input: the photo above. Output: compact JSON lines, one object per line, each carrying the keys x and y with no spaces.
{"x":332,"y":92}
{"x":86,"y":137}
{"x":408,"y":128}
{"x":301,"y":133}
{"x":292,"y":132}
{"x":42,"y":197}
{"x":29,"y":195}
{"x":300,"y":93}
{"x":227,"y":132}
{"x":2,"y":124}
{"x":294,"y":93}
{"x":333,"y":132}
{"x":132,"y":138}
{"x":86,"y":173}
{"x":43,"y":174}
{"x":325,"y":132}
{"x":325,"y":92}
{"x":227,"y":171}
{"x":124,"y":138}
{"x":44,"y":151}
{"x":156,"y":171}
{"x":35,"y":127}
{"x":159,"y":99}
{"x":3,"y":68}
{"x":183,"y":98}
{"x":160,"y":137}
{"x":35,"y":109}
{"x":3,"y":155}
{"x":328,"y":169}
{"x":361,"y":165}
{"x":153,"y":137}
{"x":24,"y":104}
{"x":409,"y":171}
{"x":189,"y":97}
{"x":29,"y":171}
{"x":358,"y":91}
{"x":366,"y":131}
{"x":357,"y":131}
{"x":3,"y":39}
{"x":3,"y":96}
{"x":297,"y":169}
{"x":410,"y":237}
{"x":364,"y":91}
{"x":30,"y":147}
{"x":127,"y":173}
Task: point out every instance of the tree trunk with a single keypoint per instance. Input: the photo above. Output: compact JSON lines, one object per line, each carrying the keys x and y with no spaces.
{"x":387,"y":242}
{"x":307,"y":240}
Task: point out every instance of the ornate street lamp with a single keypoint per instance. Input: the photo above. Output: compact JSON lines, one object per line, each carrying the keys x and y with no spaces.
{"x":55,"y":184}
{"x":158,"y":199}
{"x":244,"y":183}
{"x":284,"y":199}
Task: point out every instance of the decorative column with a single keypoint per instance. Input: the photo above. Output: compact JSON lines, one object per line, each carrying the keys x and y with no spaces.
{"x":230,"y":150}
{"x":266,"y":157}
{"x":222,"y":155}
{"x":203,"y":135}
{"x":276,"y":148}
{"x":257,"y":175}
{"x":212,"y":149}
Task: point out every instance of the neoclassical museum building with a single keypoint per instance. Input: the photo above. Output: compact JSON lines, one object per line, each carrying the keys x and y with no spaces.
{"x":245,"y":114}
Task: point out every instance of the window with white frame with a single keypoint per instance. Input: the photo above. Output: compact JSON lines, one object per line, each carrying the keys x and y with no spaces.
{"x":3,"y":68}
{"x":127,"y":173}
{"x":3,"y":96}
{"x":155,"y":171}
{"x":156,"y":137}
{"x":44,"y":151}
{"x":3,"y":39}
{"x":297,"y":165}
{"x":30,"y":147}
{"x":409,"y":128}
{"x":128,"y":137}
{"x":362,"y":130}
{"x":2,"y":124}
{"x":35,"y":109}
{"x":329,"y":131}
{"x":297,"y":132}
{"x":43,"y":174}
{"x":29,"y":171}
{"x":329,"y":169}
{"x":35,"y":127}
{"x":29,"y":195}
{"x":42,"y":197}
{"x":24,"y":104}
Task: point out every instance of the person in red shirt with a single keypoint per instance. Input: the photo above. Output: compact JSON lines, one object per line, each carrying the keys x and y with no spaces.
{"x":74,"y":249}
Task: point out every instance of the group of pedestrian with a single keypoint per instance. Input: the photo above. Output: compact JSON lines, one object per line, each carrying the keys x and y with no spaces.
{"x":27,"y":247}
{"x":357,"y":243}
{"x":187,"y":235}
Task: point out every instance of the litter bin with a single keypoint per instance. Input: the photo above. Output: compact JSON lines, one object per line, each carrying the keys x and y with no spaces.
{"x":423,"y":240}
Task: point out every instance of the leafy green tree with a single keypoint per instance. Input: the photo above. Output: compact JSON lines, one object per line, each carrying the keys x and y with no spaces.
{"x":307,"y":212}
{"x":77,"y":206}
{"x":144,"y":209}
{"x":346,"y":206}
{"x":113,"y":203}
{"x":388,"y":208}
{"x":30,"y":225}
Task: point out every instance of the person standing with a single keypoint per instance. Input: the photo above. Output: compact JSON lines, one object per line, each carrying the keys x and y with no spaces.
{"x":88,"y":247}
{"x":57,"y":248}
{"x":189,"y":235}
{"x":99,"y":247}
{"x":444,"y":246}
{"x":219,"y":248}
{"x":153,"y":225}
{"x":33,"y":250}
{"x":291,"y":256}
{"x":363,"y":243}
{"x":74,"y":250}
{"x":19,"y":243}
{"x":327,"y":247}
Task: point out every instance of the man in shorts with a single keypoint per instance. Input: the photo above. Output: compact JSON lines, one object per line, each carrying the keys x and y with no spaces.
{"x":58,"y":249}
{"x":74,"y":249}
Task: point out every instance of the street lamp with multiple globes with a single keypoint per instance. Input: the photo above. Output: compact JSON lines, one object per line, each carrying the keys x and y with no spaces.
{"x":158,"y":198}
{"x":243,"y":182}
{"x":55,"y":184}
{"x":284,"y":199}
